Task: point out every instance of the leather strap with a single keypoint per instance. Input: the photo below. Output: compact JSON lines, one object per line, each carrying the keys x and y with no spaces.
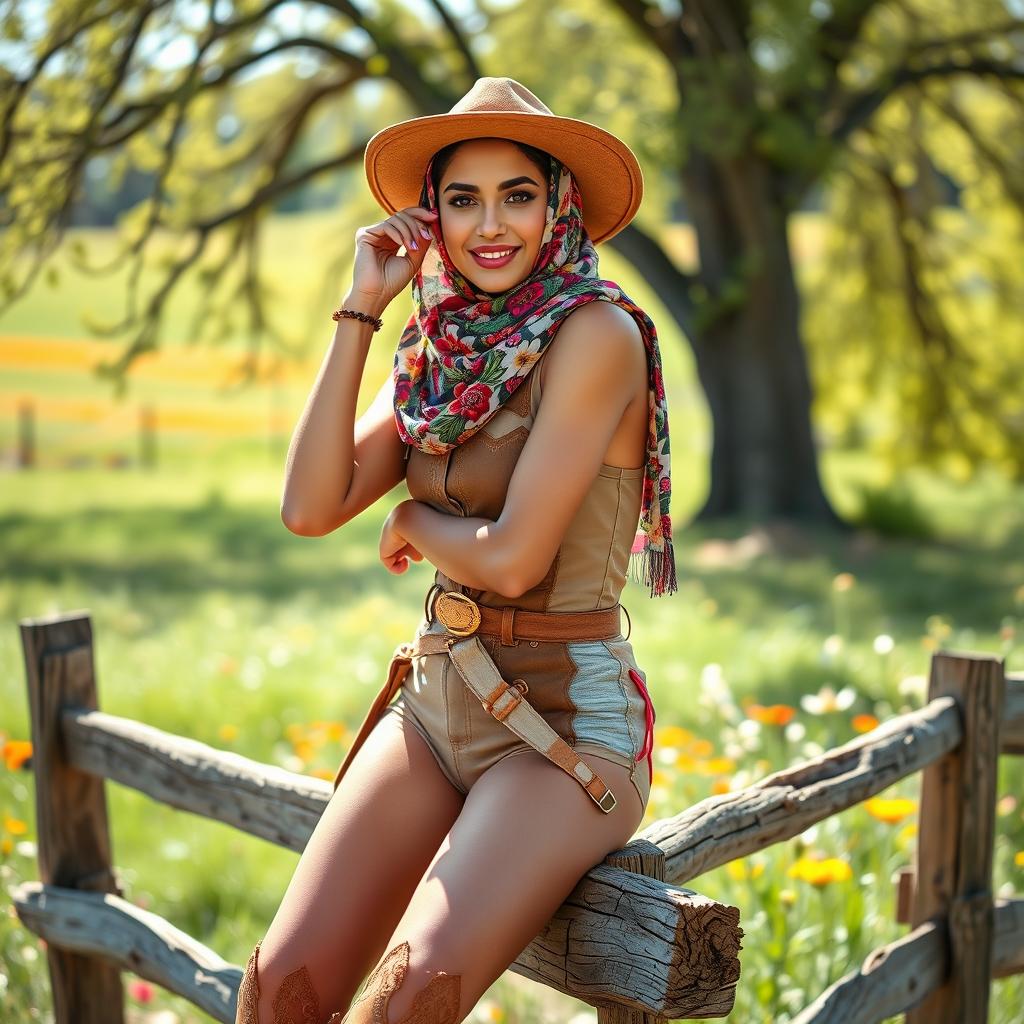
{"x":401,"y":662}
{"x":508,"y":705}
{"x":512,"y":623}
{"x":477,"y":669}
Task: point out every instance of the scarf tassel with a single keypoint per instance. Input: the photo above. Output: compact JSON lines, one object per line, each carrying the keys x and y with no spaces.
{"x":657,"y":568}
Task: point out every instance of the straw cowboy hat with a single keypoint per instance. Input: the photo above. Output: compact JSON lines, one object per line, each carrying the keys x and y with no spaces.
{"x":606,"y":171}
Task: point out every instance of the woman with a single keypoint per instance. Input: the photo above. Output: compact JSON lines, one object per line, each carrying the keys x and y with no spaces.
{"x":518,"y":753}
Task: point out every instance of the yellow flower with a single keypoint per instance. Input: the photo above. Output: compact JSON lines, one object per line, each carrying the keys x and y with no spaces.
{"x":844,"y":581}
{"x":228,"y":732}
{"x":739,"y":871}
{"x":864,"y":723}
{"x":821,"y":872}
{"x":1018,"y":858}
{"x":15,"y":826}
{"x":720,"y":786}
{"x":891,"y":810}
{"x":672,"y":736}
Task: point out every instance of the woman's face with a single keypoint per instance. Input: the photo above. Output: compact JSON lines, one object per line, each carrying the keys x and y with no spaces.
{"x":492,"y":197}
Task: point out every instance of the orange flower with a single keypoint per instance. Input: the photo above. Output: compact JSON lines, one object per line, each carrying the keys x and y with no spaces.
{"x":772,"y":714}
{"x":864,"y":723}
{"x":16,"y":753}
{"x":15,"y":826}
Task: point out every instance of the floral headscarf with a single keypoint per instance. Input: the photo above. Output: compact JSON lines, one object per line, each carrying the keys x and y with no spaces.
{"x":463,"y":353}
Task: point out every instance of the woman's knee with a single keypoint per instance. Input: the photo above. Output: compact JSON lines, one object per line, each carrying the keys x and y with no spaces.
{"x":273,"y":992}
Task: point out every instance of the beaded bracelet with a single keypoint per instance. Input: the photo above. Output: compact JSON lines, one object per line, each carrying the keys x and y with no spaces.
{"x":365,"y":317}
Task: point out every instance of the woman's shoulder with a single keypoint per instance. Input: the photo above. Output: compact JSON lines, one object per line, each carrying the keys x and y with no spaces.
{"x":595,"y":329}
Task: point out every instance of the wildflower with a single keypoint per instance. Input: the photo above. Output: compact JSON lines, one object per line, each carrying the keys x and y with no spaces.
{"x":772,"y":714}
{"x":883,"y":643}
{"x":827,"y":699}
{"x":844,"y":581}
{"x":141,"y":991}
{"x":864,"y":723}
{"x":820,"y":873}
{"x":16,"y":753}
{"x":890,"y":810}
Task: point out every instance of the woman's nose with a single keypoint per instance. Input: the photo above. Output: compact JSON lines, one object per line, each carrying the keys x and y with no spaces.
{"x":491,"y":221}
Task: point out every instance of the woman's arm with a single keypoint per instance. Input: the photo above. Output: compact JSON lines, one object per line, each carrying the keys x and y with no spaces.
{"x":592,"y":374}
{"x":337,"y":468}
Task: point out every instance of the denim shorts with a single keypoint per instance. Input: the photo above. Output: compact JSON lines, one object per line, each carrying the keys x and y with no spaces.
{"x":591,"y":692}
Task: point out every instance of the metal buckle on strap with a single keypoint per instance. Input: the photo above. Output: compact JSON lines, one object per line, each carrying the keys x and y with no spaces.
{"x":458,"y":613}
{"x":515,"y":696}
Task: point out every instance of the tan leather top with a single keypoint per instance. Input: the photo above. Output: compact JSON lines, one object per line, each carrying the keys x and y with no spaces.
{"x":471,"y":479}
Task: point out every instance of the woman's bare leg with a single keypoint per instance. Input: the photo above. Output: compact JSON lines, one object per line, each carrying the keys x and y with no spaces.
{"x":526,"y":835}
{"x":354,"y":879}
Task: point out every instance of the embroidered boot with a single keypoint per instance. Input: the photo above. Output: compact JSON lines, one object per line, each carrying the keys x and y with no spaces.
{"x":295,"y":1002}
{"x":438,"y":1003}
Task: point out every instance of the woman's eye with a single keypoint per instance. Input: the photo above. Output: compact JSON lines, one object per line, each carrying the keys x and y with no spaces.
{"x":527,"y":196}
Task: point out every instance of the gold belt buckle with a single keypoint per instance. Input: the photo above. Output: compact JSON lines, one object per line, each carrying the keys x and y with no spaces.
{"x":458,"y":613}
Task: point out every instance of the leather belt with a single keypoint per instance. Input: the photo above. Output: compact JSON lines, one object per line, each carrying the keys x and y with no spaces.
{"x":463,"y":620}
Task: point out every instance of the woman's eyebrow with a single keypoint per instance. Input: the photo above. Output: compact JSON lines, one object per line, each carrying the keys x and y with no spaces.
{"x":463,"y":187}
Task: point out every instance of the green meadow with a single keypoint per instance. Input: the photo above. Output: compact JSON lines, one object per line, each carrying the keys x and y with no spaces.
{"x":214,"y":622}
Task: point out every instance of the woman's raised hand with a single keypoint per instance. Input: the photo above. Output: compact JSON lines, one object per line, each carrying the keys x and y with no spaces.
{"x":379,"y":273}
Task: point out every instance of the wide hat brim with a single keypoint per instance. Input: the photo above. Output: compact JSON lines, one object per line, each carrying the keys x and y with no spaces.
{"x":607,"y":173}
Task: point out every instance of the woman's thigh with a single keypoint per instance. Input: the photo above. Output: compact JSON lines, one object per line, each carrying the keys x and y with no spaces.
{"x":364,"y":859}
{"x":526,"y":835}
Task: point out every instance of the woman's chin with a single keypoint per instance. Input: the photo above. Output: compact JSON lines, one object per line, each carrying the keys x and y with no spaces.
{"x":493,"y":290}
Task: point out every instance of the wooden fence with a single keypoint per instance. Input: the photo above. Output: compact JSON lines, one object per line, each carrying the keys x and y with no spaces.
{"x":676,"y":952}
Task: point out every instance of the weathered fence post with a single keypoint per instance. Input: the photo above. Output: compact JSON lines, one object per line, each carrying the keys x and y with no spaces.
{"x":71,"y":808}
{"x":643,"y":858}
{"x":956,"y":824}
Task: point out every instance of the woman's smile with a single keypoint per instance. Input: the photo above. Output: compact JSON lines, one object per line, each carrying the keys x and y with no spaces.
{"x":491,"y":256}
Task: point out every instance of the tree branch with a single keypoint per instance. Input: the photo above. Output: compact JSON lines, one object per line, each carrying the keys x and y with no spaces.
{"x":863,"y":105}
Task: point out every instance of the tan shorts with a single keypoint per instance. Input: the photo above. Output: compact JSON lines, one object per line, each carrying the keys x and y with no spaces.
{"x":583,"y":690}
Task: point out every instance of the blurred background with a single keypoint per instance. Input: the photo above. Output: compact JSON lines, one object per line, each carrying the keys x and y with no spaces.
{"x":830,"y":245}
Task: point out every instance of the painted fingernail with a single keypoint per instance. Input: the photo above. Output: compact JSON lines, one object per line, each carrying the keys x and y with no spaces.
{"x":424,"y":232}
{"x":414,"y":245}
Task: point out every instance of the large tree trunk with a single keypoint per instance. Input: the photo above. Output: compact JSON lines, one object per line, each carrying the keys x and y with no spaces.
{"x":749,"y":354}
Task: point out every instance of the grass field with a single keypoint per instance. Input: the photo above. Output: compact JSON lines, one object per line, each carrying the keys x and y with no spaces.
{"x":213,"y":621}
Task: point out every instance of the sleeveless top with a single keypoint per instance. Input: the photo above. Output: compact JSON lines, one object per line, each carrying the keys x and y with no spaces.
{"x":471,"y":479}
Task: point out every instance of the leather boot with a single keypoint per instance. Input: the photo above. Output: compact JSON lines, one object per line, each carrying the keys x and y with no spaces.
{"x":438,"y":1003}
{"x":295,"y":1002}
